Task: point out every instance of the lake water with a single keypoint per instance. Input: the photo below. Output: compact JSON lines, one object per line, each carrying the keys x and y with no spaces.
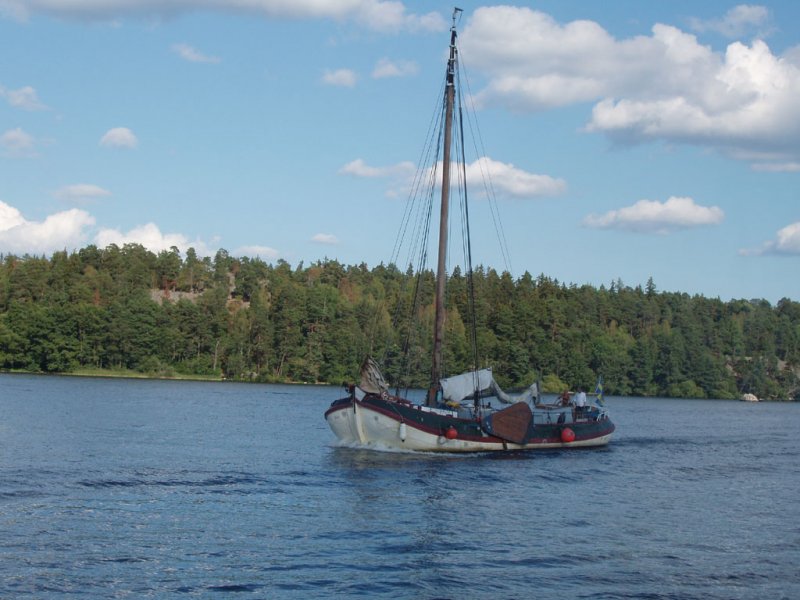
{"x":154,"y":489}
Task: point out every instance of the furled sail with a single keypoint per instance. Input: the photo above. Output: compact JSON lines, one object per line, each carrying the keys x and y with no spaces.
{"x":460,"y":387}
{"x":372,"y":380}
{"x":532,"y":393}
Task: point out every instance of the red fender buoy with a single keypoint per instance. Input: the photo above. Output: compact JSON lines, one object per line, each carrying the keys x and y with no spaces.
{"x":567,"y":435}
{"x":451,"y":433}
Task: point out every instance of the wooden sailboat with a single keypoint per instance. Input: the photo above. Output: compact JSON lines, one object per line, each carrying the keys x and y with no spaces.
{"x":467,"y":412}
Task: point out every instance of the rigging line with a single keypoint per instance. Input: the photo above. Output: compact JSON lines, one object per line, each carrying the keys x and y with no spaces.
{"x":421,"y":246}
{"x":470,"y":280}
{"x":425,"y":181}
{"x":415,"y":210}
{"x":418,"y":178}
{"x":486,"y":176}
{"x":412,"y":198}
{"x":413,"y":307}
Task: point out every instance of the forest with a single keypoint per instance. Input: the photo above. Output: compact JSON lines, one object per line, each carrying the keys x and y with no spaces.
{"x":127,"y":309}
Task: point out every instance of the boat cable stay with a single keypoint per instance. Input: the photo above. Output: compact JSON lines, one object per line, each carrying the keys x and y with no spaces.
{"x":466,"y":412}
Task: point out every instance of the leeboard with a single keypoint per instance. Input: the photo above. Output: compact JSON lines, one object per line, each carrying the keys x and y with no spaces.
{"x":510,"y":424}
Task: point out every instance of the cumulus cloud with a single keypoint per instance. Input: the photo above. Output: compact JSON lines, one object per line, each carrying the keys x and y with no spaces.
{"x":262,"y":252}
{"x":786,"y":242}
{"x":358,"y":168}
{"x":378,"y":15}
{"x":325,"y":238}
{"x":484,"y":173}
{"x":24,"y":98}
{"x":119,"y":137}
{"x":151,"y":237}
{"x":80,"y":192}
{"x":738,"y":21}
{"x":74,"y":228}
{"x":792,"y":55}
{"x":663,"y":86}
{"x":651,"y":216}
{"x":394,"y":68}
{"x":340,"y":77}
{"x":67,"y":229}
{"x":513,"y":181}
{"x":400,"y":175}
{"x":187,"y":52}
{"x":17,"y":143}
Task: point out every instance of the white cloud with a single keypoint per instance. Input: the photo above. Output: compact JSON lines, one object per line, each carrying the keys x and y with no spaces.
{"x":792,"y":55}
{"x":325,"y":238}
{"x":512,"y":181}
{"x":787,"y":241}
{"x":81,"y":192}
{"x":340,"y":77}
{"x":400,"y":174}
{"x":387,"y":16}
{"x":651,"y":216}
{"x":59,"y":231}
{"x":664,"y":86}
{"x":532,"y":62}
{"x":778,"y":167}
{"x":24,"y":98}
{"x":358,"y":168}
{"x":397,"y":68}
{"x":186,"y":52}
{"x":262,"y":252}
{"x":10,"y":217}
{"x":749,"y":105}
{"x":738,"y":21}
{"x":378,"y":15}
{"x":72,"y":229}
{"x":17,"y":143}
{"x":151,"y":237}
{"x":502,"y":178}
{"x":119,"y":137}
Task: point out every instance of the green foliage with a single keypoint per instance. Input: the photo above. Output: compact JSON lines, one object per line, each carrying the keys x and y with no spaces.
{"x":551,"y":384}
{"x":132,"y":311}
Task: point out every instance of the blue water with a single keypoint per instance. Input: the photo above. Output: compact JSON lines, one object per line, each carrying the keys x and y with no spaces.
{"x":153,"y":489}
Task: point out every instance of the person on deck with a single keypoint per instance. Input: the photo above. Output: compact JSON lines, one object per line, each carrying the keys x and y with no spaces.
{"x":565,"y":398}
{"x":580,"y":402}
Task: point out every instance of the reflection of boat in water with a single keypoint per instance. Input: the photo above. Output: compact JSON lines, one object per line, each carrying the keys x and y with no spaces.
{"x":467,"y":412}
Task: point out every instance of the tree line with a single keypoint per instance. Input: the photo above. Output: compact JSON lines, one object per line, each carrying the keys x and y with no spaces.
{"x":163,"y":314}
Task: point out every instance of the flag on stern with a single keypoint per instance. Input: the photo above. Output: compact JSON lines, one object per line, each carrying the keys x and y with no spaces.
{"x":599,"y":399}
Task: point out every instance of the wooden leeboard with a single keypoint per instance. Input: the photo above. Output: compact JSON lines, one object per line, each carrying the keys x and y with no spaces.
{"x":510,"y":424}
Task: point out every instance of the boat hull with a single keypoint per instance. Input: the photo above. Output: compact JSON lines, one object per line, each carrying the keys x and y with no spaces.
{"x":400,"y":425}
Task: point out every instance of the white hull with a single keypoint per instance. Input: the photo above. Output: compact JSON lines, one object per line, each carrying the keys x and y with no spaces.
{"x":357,"y":424}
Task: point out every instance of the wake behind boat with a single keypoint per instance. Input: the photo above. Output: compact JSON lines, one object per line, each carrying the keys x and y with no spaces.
{"x":467,"y":412}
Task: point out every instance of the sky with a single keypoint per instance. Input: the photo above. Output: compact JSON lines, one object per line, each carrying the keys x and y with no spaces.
{"x":625,"y":140}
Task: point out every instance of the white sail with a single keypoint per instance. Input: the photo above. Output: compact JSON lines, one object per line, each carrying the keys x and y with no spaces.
{"x":529,"y":395}
{"x":459,"y":387}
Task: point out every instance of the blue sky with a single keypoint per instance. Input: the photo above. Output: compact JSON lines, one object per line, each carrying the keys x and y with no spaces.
{"x":625,"y":139}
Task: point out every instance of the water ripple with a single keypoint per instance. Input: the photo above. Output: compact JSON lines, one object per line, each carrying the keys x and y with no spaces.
{"x":127,"y":489}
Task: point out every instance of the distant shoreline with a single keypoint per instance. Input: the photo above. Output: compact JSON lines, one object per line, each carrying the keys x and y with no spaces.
{"x":126,"y":374}
{"x":115,"y":374}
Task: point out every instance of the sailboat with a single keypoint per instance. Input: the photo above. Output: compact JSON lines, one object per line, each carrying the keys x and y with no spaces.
{"x":467,"y":412}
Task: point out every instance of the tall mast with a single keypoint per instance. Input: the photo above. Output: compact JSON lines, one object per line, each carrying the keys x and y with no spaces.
{"x":441,"y":272}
